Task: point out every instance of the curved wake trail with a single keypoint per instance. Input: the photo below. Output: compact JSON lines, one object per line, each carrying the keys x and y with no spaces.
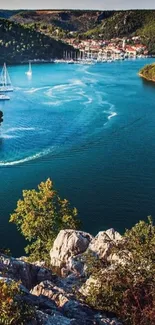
{"x":71,"y":113}
{"x":24,"y":160}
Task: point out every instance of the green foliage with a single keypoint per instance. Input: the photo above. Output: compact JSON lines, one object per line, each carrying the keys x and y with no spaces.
{"x":68,"y":20}
{"x":128,"y":288}
{"x":147,"y":33}
{"x":13,"y":309}
{"x":42,"y":25}
{"x":20,"y":43}
{"x":148,"y":72}
{"x":125,"y":24}
{"x":1,"y":117}
{"x":96,"y":24}
{"x":40,"y":216}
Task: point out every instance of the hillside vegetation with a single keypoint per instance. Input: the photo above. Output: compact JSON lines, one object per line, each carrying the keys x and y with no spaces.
{"x":123,"y":23}
{"x":128,"y":23}
{"x":148,"y":72}
{"x":90,"y":24}
{"x":21,"y":43}
{"x":71,"y":20}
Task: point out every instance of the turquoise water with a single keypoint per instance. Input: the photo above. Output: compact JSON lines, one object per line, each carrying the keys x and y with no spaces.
{"x":92,"y":130}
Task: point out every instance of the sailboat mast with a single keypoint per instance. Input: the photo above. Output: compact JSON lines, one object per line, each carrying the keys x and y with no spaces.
{"x":30,"y":69}
{"x":5,"y":75}
{"x":5,"y":81}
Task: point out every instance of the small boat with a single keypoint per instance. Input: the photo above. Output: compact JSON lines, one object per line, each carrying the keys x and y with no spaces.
{"x":29,"y":72}
{"x":4,"y":97}
{"x":5,"y":81}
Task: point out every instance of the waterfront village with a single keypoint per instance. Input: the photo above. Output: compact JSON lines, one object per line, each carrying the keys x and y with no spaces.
{"x":91,"y":50}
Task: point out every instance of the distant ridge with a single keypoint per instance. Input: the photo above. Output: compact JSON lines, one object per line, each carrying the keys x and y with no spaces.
{"x":104,"y":24}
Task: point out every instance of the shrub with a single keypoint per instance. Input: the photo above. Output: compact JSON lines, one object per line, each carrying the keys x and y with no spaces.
{"x":13,"y":309}
{"x":40,"y":216}
{"x":128,"y":289}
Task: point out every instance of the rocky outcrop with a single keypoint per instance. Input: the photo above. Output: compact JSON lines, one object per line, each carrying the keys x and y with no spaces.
{"x":103,"y":243}
{"x":52,"y":296}
{"x":27,"y":273}
{"x":56,"y":319}
{"x":55,"y":306}
{"x":74,"y":311}
{"x":53,"y":291}
{"x":68,"y":244}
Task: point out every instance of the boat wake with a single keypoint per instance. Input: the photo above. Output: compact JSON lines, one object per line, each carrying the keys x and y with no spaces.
{"x":34,"y":90}
{"x":6,"y":136}
{"x":112,"y":115}
{"x":20,"y":129}
{"x":71,"y":113}
{"x":27,"y":159}
{"x":85,"y":68}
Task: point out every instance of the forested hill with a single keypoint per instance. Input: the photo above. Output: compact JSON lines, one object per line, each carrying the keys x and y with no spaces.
{"x":91,"y":24}
{"x":123,"y":23}
{"x":69,"y":20}
{"x":107,"y":23}
{"x":128,"y":23}
{"x":30,"y":34}
{"x":21,"y":43}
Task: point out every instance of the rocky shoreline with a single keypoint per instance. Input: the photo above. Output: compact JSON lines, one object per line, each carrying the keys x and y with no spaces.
{"x":52,"y":295}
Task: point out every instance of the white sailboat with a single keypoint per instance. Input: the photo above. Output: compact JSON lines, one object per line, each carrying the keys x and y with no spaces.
{"x":29,"y":72}
{"x":5,"y":81}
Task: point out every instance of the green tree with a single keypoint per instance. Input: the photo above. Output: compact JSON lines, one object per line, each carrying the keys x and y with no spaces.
{"x":40,"y":216}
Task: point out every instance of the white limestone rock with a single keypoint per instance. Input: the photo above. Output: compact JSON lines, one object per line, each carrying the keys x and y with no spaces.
{"x":68,"y":244}
{"x":102,"y":244}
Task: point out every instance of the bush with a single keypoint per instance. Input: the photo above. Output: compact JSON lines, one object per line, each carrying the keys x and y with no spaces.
{"x":128,"y":289}
{"x":40,"y":216}
{"x":13,"y":310}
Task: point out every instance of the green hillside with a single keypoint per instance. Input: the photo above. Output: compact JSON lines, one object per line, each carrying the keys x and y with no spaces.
{"x":107,"y":23}
{"x":91,"y":24}
{"x":148,"y":72}
{"x":123,"y":23}
{"x":147,"y":33}
{"x":71,"y":20}
{"x":30,"y":34}
{"x":20,"y":44}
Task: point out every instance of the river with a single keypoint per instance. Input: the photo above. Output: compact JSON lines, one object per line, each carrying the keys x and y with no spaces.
{"x":91,"y":129}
